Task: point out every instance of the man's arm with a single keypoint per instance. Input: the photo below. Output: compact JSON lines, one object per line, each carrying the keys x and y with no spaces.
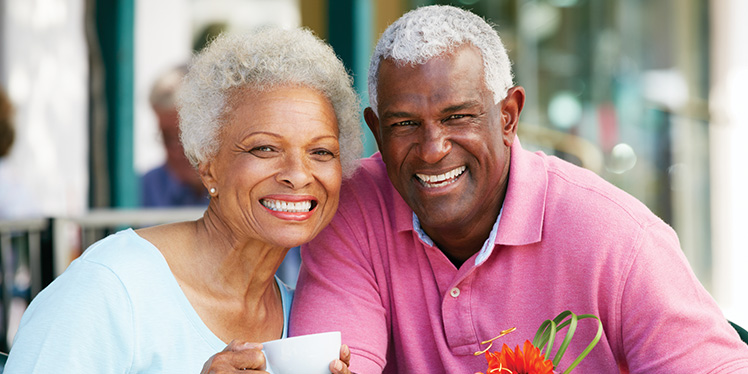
{"x":669,"y":322}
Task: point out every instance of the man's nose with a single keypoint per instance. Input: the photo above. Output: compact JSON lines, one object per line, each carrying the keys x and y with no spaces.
{"x":295,"y":171}
{"x":435,"y":143}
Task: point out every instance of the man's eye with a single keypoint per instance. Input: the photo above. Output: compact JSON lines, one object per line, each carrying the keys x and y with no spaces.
{"x":456,"y":116}
{"x":404,"y":123}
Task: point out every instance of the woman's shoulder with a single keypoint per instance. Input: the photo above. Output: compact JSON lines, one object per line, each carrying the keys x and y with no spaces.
{"x":121,"y":251}
{"x":111,"y":264}
{"x":123,"y":261}
{"x":92,"y":317}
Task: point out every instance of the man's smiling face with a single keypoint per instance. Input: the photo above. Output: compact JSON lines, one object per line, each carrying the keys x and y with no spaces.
{"x":443,"y":139}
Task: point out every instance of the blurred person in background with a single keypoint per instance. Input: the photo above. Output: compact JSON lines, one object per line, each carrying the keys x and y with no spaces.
{"x":176,"y":182}
{"x":15,"y":198}
{"x":7,"y":131}
{"x":270,"y":120}
{"x":7,"y":136}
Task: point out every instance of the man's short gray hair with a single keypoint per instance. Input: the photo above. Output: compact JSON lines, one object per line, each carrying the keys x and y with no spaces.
{"x":261,"y":61}
{"x":432,"y":31}
{"x":164,"y":90}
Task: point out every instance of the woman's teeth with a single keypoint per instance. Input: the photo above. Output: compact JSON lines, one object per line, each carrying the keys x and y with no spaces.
{"x":441,"y":179}
{"x":287,"y":206}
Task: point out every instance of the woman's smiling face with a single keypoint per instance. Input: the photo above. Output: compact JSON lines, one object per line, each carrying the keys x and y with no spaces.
{"x":277,"y":171}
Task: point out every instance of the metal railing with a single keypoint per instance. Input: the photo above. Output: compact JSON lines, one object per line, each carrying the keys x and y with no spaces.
{"x":35,"y":251}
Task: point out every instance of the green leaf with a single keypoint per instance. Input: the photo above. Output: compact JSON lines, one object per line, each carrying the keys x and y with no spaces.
{"x":546,"y":335}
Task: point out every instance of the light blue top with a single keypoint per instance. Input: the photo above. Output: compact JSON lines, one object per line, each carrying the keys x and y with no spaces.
{"x":116,"y":309}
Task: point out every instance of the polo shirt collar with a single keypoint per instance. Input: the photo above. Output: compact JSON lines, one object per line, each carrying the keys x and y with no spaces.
{"x":524,"y":204}
{"x":485,"y":250}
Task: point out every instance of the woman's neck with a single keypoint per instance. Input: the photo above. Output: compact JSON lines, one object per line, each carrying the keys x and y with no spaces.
{"x":229,"y":281}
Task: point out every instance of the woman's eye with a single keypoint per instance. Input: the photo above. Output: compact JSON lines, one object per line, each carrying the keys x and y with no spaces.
{"x":262,"y":151}
{"x":323,"y":154}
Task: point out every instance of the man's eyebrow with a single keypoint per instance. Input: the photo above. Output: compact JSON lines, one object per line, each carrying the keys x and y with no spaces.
{"x":390,"y":115}
{"x":450,"y":109}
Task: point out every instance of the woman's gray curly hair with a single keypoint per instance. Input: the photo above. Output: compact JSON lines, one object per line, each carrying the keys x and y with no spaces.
{"x":431,"y":31}
{"x":263,"y":60}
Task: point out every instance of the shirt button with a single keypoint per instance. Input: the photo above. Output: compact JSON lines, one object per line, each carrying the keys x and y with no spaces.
{"x":455,"y":292}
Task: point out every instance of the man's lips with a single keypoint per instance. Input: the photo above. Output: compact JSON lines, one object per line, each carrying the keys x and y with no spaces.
{"x":439,"y":180}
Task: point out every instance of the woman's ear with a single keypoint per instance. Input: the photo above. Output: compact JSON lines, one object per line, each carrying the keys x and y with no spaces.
{"x":207,"y":175}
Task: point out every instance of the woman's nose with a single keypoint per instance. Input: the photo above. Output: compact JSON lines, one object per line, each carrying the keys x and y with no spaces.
{"x":294,"y":171}
{"x":434,"y":143}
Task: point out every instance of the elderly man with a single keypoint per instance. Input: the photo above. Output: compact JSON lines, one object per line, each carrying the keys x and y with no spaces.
{"x":174,"y":183}
{"x":454,"y":232}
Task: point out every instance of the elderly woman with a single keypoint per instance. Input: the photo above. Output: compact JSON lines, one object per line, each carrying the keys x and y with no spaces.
{"x":270,"y":121}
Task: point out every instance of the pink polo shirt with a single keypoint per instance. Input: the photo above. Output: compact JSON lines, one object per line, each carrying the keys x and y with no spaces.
{"x":566,"y":240}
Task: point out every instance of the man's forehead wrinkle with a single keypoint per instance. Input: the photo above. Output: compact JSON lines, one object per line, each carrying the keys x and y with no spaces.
{"x":405,"y":105}
{"x":467,"y":104}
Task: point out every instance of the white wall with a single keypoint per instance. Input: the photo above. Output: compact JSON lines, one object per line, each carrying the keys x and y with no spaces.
{"x":163,"y":39}
{"x":45,"y":72}
{"x":729,"y":159}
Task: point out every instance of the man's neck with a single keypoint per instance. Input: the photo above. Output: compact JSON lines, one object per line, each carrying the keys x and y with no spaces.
{"x":459,"y":244}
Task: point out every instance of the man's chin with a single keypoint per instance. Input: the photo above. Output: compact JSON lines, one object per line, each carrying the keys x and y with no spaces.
{"x":440,"y":219}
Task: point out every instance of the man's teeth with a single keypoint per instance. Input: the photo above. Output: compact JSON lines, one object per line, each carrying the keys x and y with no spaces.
{"x":441,"y":179}
{"x":287,"y":206}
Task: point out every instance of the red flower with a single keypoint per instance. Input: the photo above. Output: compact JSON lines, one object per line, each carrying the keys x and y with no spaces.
{"x":517,"y":362}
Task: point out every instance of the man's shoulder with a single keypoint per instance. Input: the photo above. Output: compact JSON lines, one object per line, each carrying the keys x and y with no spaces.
{"x":370,"y":177}
{"x":368,"y":193}
{"x":590,"y":192}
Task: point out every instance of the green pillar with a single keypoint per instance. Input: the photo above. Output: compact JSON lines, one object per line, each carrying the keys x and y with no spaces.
{"x":115,"y":24}
{"x":350,"y":34}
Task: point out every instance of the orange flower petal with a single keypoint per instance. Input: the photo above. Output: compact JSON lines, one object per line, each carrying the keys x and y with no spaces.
{"x":531,"y":361}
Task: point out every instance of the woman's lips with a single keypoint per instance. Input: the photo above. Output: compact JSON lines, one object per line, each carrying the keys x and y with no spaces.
{"x":296,"y":208}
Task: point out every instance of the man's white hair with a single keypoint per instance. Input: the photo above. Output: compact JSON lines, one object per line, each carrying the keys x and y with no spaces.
{"x":164,"y":91}
{"x":432,"y":31}
{"x":261,"y":61}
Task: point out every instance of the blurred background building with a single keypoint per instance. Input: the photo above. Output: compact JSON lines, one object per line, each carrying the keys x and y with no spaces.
{"x":650,"y":94}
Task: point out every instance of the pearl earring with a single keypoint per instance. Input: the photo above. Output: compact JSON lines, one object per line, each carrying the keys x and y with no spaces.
{"x":212,"y":190}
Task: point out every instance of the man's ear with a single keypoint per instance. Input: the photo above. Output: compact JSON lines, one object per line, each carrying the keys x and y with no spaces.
{"x":511,"y":107}
{"x":373,"y":121}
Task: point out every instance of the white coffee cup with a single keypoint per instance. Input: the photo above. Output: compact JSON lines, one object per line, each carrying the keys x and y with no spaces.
{"x":305,"y":354}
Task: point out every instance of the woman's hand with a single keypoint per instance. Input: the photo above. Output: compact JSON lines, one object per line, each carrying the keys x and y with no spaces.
{"x":238,"y":357}
{"x":340,"y":366}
